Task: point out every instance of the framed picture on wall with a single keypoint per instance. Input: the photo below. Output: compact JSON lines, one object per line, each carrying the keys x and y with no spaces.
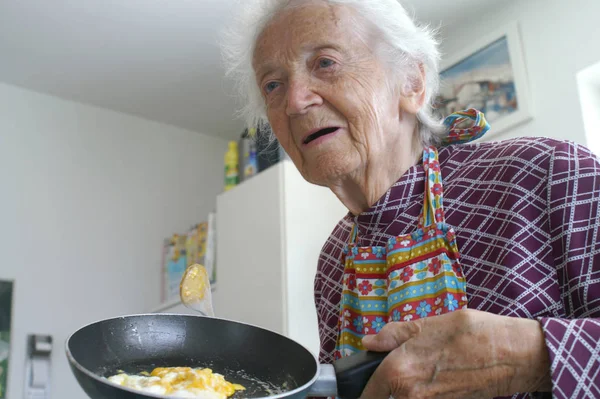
{"x":488,"y":75}
{"x":6,"y":298}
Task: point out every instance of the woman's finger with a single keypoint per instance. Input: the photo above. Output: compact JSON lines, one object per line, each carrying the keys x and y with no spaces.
{"x":391,"y":336}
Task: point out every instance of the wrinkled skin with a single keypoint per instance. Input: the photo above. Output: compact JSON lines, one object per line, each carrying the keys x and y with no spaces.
{"x":464,"y":354}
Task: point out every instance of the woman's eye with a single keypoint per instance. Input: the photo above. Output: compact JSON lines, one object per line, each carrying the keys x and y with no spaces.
{"x":269,"y":87}
{"x":325,"y":63}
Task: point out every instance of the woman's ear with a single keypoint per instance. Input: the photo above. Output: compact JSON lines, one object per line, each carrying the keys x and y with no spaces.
{"x":412,"y":97}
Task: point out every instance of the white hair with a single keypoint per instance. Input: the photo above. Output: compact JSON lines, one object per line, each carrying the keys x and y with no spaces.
{"x":408,"y":47}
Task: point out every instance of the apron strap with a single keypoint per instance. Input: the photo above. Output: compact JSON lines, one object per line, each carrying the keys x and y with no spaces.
{"x":433,"y":209}
{"x":353,"y":234}
{"x":433,"y":205}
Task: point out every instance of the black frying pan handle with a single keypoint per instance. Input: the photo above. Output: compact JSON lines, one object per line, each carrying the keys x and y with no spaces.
{"x":354,"y":371}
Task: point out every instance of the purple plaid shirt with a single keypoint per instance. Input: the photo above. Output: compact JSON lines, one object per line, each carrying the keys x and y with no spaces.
{"x":527,"y":218}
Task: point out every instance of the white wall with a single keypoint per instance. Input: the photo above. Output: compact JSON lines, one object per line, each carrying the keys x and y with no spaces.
{"x":588,"y":82}
{"x":559,"y":38}
{"x":87,"y":197}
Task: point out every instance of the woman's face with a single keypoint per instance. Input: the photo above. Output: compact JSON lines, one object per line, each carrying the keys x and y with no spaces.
{"x":329,"y":99}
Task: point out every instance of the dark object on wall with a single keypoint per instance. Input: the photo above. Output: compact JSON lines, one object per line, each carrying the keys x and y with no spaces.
{"x":6,"y":299}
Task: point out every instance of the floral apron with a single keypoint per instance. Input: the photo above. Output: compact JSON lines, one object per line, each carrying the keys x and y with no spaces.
{"x":415,"y":275}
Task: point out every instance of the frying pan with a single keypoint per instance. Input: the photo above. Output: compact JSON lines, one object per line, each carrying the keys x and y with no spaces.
{"x":267,"y":364}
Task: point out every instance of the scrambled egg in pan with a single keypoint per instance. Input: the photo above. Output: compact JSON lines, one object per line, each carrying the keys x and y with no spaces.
{"x":179,"y":382}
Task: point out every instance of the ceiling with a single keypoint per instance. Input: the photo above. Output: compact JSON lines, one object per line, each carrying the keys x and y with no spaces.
{"x":157,"y":59}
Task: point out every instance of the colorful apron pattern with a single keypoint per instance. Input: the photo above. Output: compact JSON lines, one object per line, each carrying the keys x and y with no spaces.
{"x":416,"y":275}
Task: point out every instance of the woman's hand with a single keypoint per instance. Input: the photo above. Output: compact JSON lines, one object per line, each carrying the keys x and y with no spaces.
{"x":464,"y":354}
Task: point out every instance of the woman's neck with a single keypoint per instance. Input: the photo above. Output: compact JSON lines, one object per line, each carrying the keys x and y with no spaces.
{"x":360,"y":190}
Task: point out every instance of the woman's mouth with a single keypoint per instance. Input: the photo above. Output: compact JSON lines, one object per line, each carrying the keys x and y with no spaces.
{"x":320,"y":133}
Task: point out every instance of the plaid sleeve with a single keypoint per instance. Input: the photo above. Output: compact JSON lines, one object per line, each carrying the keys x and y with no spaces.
{"x":574,"y":208}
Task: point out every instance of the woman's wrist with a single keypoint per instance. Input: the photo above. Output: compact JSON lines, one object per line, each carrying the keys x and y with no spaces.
{"x":530,"y":357}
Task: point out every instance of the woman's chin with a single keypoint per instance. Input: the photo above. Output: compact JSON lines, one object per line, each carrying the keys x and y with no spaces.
{"x":327,"y":168}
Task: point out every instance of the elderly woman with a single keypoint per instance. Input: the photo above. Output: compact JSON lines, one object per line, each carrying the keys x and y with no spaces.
{"x":494,"y":291}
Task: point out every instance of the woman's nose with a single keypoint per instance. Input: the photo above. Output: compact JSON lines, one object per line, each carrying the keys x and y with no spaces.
{"x":300,"y":98}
